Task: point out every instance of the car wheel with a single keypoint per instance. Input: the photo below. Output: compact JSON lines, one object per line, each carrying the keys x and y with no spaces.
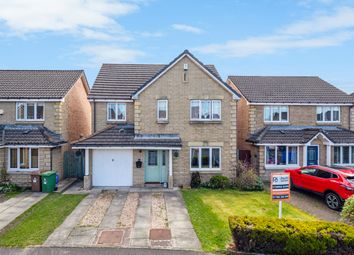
{"x":292,"y":186}
{"x":333,"y":201}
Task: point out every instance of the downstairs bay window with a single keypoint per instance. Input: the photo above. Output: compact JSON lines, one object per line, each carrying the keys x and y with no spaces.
{"x":343,"y":155}
{"x":205,"y":158}
{"x":278,"y":155}
{"x":23,"y":159}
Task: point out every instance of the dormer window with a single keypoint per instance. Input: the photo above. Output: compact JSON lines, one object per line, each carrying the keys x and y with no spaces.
{"x":328,"y":113}
{"x":276,"y":113}
{"x":30,"y":111}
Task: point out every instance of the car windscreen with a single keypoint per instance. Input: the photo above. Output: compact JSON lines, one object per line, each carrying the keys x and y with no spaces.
{"x":350,"y":179}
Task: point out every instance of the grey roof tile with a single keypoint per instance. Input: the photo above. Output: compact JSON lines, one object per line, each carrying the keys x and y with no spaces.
{"x":124,"y":136}
{"x":299,"y":134}
{"x":13,"y":134}
{"x":289,"y":89}
{"x":37,"y":84}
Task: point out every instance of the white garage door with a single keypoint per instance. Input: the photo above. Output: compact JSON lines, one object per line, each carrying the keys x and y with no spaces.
{"x":112,"y":168}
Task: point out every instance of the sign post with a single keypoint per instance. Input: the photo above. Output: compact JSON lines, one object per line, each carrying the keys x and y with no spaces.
{"x":280,"y":189}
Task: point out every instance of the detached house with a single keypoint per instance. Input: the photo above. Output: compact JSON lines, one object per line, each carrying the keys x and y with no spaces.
{"x":156,"y":124}
{"x":286,"y":122}
{"x":41,"y":112}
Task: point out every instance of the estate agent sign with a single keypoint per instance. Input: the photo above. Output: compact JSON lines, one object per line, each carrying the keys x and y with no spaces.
{"x":280,"y":188}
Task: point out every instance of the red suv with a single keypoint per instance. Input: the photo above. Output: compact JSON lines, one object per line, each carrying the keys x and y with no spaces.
{"x":335,"y":184}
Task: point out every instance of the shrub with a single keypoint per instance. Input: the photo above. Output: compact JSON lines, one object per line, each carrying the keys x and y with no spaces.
{"x":248,"y":180}
{"x":195,"y":180}
{"x":285,"y":236}
{"x":348,"y":210}
{"x":8,"y":187}
{"x":217,"y":182}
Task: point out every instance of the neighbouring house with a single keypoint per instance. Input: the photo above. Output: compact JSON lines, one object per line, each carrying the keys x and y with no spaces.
{"x":41,"y":113}
{"x":156,"y":124}
{"x":287,"y":122}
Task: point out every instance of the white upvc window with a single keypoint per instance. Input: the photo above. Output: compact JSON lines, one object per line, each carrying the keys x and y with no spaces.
{"x":162,"y":110}
{"x":29,"y":111}
{"x":116,"y":111}
{"x":328,"y":113}
{"x":23,"y":159}
{"x":276,"y":113}
{"x":281,"y":155}
{"x":343,"y":155}
{"x":205,"y":158}
{"x":205,"y":110}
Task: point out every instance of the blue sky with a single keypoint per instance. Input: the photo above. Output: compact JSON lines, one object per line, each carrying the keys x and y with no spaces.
{"x":258,"y":37}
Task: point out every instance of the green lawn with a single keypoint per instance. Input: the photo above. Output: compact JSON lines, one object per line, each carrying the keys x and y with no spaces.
{"x":37,"y":223}
{"x":209,"y":211}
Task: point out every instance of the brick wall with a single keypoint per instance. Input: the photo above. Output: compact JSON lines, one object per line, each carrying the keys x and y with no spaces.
{"x":2,"y":159}
{"x":179,"y":94}
{"x":138,"y":173}
{"x":101,"y":115}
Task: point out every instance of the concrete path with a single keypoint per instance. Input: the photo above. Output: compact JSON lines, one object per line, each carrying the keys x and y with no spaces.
{"x":14,"y":207}
{"x":136,"y":230}
{"x":93,"y":251}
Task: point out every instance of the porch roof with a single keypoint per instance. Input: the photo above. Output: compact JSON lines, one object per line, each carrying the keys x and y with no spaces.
{"x":124,"y":136}
{"x":28,"y":135}
{"x":300,"y":134}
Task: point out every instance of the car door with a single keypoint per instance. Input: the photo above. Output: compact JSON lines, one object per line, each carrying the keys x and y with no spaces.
{"x":308,"y":178}
{"x":324,"y":179}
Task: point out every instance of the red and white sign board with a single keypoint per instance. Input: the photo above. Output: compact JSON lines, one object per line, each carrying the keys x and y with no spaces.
{"x":280,"y":186}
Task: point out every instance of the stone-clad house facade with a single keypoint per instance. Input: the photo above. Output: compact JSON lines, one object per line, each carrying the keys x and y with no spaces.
{"x":287,"y":122}
{"x":41,"y":113}
{"x":164,"y":121}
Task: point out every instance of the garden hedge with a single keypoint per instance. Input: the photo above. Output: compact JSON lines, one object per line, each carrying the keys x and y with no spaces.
{"x":285,"y":236}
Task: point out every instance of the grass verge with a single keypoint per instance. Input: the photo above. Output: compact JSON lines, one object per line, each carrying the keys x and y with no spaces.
{"x":35,"y":225}
{"x":209,"y":211}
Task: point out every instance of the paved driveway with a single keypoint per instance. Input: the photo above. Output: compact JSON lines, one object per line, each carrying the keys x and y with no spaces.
{"x":134,"y":219}
{"x":14,"y":207}
{"x":313,"y":204}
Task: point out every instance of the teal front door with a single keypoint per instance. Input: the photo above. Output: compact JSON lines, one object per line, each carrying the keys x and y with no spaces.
{"x":155,"y":166}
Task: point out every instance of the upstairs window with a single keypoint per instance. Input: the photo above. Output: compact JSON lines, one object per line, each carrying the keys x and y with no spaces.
{"x":328,"y":113}
{"x":276,"y":113}
{"x":205,"y":110}
{"x":162,"y":110}
{"x":116,"y":112}
{"x":29,"y":111}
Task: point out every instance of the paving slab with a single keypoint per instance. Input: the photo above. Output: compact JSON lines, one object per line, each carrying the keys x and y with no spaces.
{"x":14,"y":207}
{"x":114,"y":211}
{"x":61,"y":234}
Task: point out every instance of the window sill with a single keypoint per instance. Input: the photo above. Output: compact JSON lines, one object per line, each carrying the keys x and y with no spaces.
{"x":30,"y":120}
{"x":162,"y":121}
{"x":328,"y":122}
{"x":276,"y":167}
{"x":216,"y":170}
{"x":115,"y":121}
{"x":22,"y":171}
{"x":277,"y":122}
{"x":205,"y":122}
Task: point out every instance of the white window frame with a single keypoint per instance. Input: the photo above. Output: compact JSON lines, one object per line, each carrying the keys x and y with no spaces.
{"x":200,"y":109}
{"x":274,"y":166}
{"x":18,"y":168}
{"x":25,"y":104}
{"x":332,"y":107}
{"x":158,"y":109}
{"x":351,"y":163}
{"x":116,"y":111}
{"x":200,"y":159}
{"x":271,"y":110}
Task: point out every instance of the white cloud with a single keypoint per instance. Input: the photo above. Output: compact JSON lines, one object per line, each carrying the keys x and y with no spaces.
{"x":90,"y":18}
{"x":151,"y":34}
{"x":110,"y":54}
{"x":342,"y":18}
{"x":187,"y":28}
{"x":319,"y":31}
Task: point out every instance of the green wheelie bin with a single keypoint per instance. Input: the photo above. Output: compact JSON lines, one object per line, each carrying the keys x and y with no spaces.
{"x":48,"y":181}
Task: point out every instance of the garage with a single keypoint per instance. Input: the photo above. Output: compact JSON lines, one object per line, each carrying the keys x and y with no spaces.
{"x":112,"y":167}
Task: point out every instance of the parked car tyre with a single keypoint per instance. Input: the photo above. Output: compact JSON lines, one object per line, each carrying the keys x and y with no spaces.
{"x":333,"y":201}
{"x":292,"y":186}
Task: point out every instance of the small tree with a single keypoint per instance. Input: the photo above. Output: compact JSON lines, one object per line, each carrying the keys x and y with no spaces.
{"x":195,"y":180}
{"x":347,"y":213}
{"x":247,"y":178}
